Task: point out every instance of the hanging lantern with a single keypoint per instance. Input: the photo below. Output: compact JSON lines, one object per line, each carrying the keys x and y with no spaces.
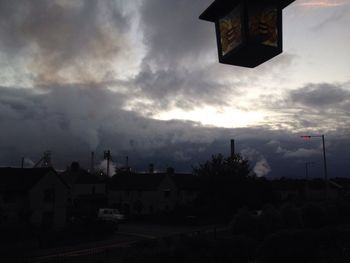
{"x":248,"y":32}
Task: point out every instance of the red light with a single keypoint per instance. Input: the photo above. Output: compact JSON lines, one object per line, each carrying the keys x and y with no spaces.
{"x":306,"y":137}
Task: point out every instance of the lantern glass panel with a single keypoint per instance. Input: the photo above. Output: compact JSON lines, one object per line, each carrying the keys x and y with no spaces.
{"x":263,"y":28}
{"x":230,"y":27}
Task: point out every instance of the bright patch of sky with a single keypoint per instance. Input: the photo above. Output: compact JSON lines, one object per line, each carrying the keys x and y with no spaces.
{"x":225,"y":117}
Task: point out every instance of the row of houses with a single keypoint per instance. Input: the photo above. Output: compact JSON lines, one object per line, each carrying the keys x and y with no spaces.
{"x":41,"y":196}
{"x":36,"y":195}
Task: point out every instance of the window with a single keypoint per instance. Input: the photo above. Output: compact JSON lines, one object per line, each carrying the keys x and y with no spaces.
{"x":49,"y":195}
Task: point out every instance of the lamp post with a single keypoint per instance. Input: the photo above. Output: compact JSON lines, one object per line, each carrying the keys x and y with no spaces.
{"x":324,"y":159}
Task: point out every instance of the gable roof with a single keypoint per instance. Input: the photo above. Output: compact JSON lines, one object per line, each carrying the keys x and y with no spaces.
{"x":146,"y":182}
{"x":21,"y":178}
{"x":81,"y":176}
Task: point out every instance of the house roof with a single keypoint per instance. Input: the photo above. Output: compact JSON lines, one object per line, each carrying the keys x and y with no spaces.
{"x":21,"y":178}
{"x":88,"y":178}
{"x":81,"y":176}
{"x":136,"y":181}
{"x":298,"y":184}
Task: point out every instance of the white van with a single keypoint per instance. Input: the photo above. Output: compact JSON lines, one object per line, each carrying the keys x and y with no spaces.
{"x":110,"y":214}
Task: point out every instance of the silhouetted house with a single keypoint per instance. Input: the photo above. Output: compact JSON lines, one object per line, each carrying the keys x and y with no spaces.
{"x":316,"y":190}
{"x":289,"y":189}
{"x":307,"y":190}
{"x":343,"y":185}
{"x":142,"y":193}
{"x":187,"y":188}
{"x":88,"y":192}
{"x":32,"y":196}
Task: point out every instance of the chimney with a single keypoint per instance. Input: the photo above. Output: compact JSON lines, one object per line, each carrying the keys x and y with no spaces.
{"x":232,"y":147}
{"x":107,"y":156}
{"x":151,"y":168}
{"x":92,"y":161}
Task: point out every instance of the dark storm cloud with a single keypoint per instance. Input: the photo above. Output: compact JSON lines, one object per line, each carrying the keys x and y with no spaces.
{"x":174,"y":33}
{"x":175,"y":72}
{"x":325,"y":106}
{"x":320,"y":95}
{"x":180,"y":69}
{"x":57,"y":35}
{"x":81,"y":39}
{"x":71,"y":122}
{"x":172,"y":88}
{"x":314,"y":107}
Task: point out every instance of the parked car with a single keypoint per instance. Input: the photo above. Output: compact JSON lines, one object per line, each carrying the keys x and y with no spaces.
{"x":110,"y":214}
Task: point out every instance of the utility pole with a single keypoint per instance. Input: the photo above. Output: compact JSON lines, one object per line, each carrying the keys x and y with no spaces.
{"x":325,"y":168}
{"x":324,"y":161}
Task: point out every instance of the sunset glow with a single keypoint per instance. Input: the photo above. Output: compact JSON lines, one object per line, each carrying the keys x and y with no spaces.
{"x":324,"y":3}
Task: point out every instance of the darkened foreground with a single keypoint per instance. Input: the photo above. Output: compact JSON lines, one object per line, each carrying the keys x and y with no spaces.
{"x":308,"y":245}
{"x":314,"y":232}
{"x":282,"y":220}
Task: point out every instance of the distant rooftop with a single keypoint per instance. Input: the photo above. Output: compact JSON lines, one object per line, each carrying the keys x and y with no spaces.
{"x":21,"y":178}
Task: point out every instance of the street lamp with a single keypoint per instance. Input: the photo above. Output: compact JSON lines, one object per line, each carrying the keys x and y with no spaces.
{"x":324,"y":159}
{"x":248,"y":32}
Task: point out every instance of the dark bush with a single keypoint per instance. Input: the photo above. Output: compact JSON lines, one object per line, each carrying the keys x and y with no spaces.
{"x":291,"y":216}
{"x":315,"y":245}
{"x":314,"y":215}
{"x":247,"y":224}
{"x":271,"y":220}
{"x":235,"y":249}
{"x":287,"y":246}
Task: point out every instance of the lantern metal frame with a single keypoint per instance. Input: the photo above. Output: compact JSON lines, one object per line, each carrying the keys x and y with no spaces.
{"x":248,"y":53}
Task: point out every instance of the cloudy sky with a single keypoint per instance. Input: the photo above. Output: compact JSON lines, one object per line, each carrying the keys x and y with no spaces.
{"x":142,"y":79}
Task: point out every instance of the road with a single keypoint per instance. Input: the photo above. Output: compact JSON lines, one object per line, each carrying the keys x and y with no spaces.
{"x":128,"y":234}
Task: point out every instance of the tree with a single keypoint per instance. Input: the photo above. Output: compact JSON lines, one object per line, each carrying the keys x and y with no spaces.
{"x":234,"y":167}
{"x":223,"y":183}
